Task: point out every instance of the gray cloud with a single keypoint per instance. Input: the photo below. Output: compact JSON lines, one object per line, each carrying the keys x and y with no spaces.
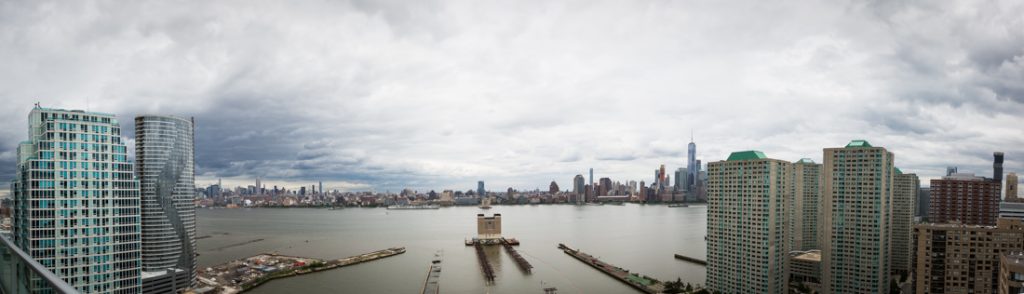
{"x":439,"y":94}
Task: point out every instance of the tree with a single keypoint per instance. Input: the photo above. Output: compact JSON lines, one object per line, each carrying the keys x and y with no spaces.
{"x":894,"y":288}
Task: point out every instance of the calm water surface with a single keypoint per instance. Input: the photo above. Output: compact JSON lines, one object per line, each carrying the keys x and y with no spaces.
{"x":642,"y":238}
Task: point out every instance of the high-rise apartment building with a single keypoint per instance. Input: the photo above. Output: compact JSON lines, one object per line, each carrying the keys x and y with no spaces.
{"x":747,"y":224}
{"x":77,"y":201}
{"x":1011,"y":273}
{"x":956,"y":258}
{"x":805,"y":204}
{"x":964,"y":198}
{"x":165,"y":167}
{"x":904,"y":193}
{"x":856,"y":214}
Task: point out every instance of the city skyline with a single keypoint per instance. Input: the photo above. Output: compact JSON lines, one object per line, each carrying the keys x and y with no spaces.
{"x":307,"y":94}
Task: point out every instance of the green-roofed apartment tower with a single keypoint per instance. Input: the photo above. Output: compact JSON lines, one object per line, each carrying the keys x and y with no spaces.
{"x":856,"y":218}
{"x":747,"y":223}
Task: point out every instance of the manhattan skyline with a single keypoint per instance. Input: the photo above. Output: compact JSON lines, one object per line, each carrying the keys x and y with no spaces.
{"x":386,"y":96}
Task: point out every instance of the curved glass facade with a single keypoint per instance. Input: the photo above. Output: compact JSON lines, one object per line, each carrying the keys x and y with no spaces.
{"x":164,"y":158}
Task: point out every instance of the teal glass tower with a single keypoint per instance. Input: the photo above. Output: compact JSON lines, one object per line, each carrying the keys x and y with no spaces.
{"x":77,"y":202}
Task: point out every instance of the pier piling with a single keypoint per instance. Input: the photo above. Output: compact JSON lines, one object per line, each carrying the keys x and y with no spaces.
{"x":523,"y":264}
{"x":485,"y":265}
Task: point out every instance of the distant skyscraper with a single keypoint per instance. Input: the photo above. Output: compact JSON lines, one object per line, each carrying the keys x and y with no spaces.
{"x":965,"y":198}
{"x":857,"y":203}
{"x":591,"y":184}
{"x":480,"y":189}
{"x":905,"y":190}
{"x":997,"y":167}
{"x":1011,"y":187}
{"x":579,"y":188}
{"x":77,"y":202}
{"x":747,"y":221}
{"x":321,"y":188}
{"x":691,"y":162}
{"x":806,"y":201}
{"x":166,"y":171}
{"x":924,"y":198}
{"x":680,"y":180}
{"x":605,"y":186}
{"x":950,"y":170}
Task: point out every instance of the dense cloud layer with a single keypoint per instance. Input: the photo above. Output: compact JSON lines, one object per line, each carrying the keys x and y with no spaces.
{"x":439,"y":94}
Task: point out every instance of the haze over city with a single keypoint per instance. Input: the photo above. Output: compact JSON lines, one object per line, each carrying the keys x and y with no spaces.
{"x":387,"y":95}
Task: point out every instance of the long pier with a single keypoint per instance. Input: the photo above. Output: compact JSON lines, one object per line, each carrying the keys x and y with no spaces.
{"x":431,"y":285}
{"x":485,"y":265}
{"x":691,"y":259}
{"x":245,"y":274}
{"x":523,"y":264}
{"x":642,"y":283}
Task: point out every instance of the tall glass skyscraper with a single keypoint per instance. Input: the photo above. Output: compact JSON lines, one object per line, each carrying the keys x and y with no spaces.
{"x":166,"y":171}
{"x":77,"y":202}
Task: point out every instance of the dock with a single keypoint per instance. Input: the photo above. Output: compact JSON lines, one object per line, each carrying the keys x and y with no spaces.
{"x":520,"y":261}
{"x":245,"y":274}
{"x":639,"y":282}
{"x":431,"y":285}
{"x":691,"y":259}
{"x":485,"y":265}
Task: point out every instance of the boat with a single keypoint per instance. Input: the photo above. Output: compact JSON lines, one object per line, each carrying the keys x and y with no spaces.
{"x":412,"y":207}
{"x":485,"y":203}
{"x":678,"y":205}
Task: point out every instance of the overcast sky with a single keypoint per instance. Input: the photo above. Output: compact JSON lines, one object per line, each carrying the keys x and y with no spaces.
{"x":439,"y":94}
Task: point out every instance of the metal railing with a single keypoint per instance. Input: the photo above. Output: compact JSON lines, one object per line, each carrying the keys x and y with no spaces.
{"x":20,"y":274}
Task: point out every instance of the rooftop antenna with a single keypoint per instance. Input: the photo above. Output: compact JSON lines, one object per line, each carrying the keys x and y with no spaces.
{"x":37,"y":105}
{"x":691,"y":134}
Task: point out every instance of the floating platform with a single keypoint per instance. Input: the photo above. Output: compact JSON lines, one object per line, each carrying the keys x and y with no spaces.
{"x":642,"y":283}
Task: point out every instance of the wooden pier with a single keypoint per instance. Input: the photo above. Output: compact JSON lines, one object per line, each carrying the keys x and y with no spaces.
{"x":432,"y":284}
{"x":485,"y":265}
{"x":642,"y":283}
{"x":691,"y":259}
{"x":523,"y":264}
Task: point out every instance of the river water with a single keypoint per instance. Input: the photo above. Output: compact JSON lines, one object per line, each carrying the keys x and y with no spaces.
{"x":641,"y":238}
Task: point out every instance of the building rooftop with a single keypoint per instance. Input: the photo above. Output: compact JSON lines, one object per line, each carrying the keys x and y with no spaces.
{"x":73,"y":111}
{"x":858,"y":143}
{"x":805,"y":160}
{"x":746,"y":155}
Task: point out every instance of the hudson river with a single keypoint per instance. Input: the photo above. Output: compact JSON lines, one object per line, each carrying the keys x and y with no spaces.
{"x":641,"y":238}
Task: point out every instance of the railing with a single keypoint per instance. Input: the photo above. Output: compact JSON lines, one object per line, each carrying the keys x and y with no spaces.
{"x":20,"y":274}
